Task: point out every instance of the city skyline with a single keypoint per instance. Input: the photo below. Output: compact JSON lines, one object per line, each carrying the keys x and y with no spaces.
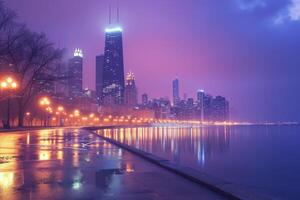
{"x":111,"y":99}
{"x":248,"y":88}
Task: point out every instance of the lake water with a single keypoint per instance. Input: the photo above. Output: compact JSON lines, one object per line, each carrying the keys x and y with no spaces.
{"x":264,"y":159}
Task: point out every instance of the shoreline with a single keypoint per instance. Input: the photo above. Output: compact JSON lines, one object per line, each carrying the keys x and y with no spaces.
{"x":225,"y":188}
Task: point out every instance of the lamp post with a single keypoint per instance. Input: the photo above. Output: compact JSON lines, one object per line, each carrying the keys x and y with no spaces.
{"x":76,"y":115}
{"x":60,"y":112}
{"x":44,"y":103}
{"x":8,"y":84}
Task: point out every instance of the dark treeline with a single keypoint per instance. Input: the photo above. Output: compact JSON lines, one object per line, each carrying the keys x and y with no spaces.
{"x":27,"y":56}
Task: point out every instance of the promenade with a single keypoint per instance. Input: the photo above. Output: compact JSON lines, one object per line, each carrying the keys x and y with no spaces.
{"x":76,"y":164}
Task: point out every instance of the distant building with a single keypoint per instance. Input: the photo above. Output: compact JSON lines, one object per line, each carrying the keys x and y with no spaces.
{"x":220,"y":109}
{"x":113,"y":68}
{"x":99,"y":77}
{"x":130,"y":94}
{"x":145,"y":99}
{"x":45,"y":86}
{"x":88,"y":93}
{"x":75,"y":74}
{"x":161,"y":107}
{"x":207,"y":107}
{"x":200,"y":102}
{"x":190,"y":109}
{"x":176,"y":97}
{"x":185,"y":96}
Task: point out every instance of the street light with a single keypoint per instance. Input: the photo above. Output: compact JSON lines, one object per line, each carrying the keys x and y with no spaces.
{"x":45,"y":103}
{"x":59,"y":112}
{"x":60,"y":108}
{"x":28,"y":118}
{"x":8,"y":84}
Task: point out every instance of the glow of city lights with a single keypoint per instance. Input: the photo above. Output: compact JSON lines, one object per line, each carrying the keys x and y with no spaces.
{"x":115,"y":29}
{"x":44,"y":155}
{"x":76,"y":113}
{"x":9,"y":80}
{"x":6,"y":179}
{"x":106,"y":119}
{"x":78,"y":53}
{"x":76,"y":185}
{"x":129,"y":168}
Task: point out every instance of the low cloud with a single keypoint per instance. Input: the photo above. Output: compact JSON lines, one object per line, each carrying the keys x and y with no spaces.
{"x":290,"y":13}
{"x":294,"y":10}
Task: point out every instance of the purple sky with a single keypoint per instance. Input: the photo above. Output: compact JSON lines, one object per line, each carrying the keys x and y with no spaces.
{"x":245,"y":50}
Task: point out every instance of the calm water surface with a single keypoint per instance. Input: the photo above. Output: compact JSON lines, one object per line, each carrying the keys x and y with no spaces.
{"x":265,"y":159}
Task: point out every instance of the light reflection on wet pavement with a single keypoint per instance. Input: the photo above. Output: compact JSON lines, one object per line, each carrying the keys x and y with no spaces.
{"x":75,"y":164}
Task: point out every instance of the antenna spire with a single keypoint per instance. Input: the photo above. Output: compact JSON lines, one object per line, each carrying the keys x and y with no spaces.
{"x":109,"y":13}
{"x":118,"y":12}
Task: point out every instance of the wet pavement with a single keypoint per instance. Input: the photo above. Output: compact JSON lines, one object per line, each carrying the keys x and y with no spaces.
{"x":76,"y":164}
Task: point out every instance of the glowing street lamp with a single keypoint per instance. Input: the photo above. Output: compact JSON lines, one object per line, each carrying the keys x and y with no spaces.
{"x":60,"y":111}
{"x":8,"y":84}
{"x":44,"y":102}
{"x":28,"y":118}
{"x":76,"y":113}
{"x":60,"y":108}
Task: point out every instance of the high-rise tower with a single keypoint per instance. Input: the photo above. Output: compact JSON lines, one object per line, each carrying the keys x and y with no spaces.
{"x":113,"y":67}
{"x":75,"y":74}
{"x":99,"y":77}
{"x":130,"y":94}
{"x":176,"y":97}
{"x":200,"y":100}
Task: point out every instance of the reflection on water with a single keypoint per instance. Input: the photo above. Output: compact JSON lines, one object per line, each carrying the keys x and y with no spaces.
{"x":6,"y":179}
{"x":17,"y":150}
{"x":175,"y":143}
{"x":44,"y":155}
{"x":262,"y":158}
{"x":60,"y":164}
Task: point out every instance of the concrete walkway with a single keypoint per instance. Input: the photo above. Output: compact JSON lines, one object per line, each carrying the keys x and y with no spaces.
{"x":75,"y":164}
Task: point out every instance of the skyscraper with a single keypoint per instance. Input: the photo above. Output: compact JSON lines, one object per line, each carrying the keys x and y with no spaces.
{"x":145,"y":99}
{"x":200,"y":99}
{"x":207,"y":106}
{"x":130,"y":95}
{"x":99,"y":76}
{"x":176,"y":97}
{"x":75,"y":74}
{"x":113,"y":67}
{"x":220,"y":109}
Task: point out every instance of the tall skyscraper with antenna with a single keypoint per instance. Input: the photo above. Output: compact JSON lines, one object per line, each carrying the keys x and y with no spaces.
{"x":113,"y":66}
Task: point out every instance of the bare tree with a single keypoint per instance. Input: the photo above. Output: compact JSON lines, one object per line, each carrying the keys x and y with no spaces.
{"x":29,"y":56}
